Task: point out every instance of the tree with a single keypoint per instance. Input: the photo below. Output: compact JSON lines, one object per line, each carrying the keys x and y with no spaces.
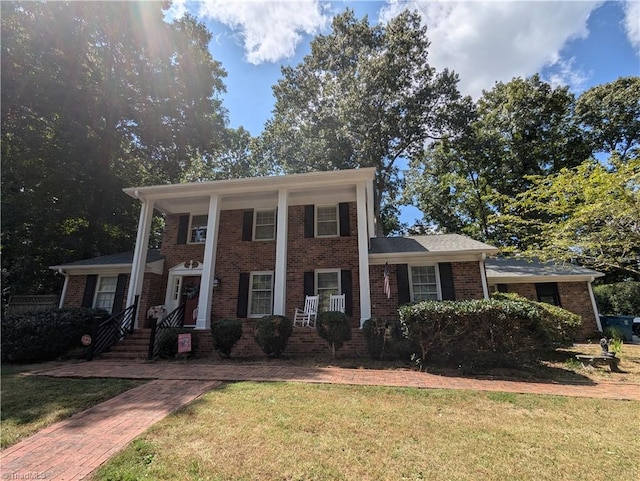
{"x":610,"y":113}
{"x":95,"y":97}
{"x":589,"y":215}
{"x":521,"y":128}
{"x":366,"y":96}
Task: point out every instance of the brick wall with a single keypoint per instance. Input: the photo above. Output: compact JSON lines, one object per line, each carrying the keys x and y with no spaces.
{"x":75,"y":291}
{"x":467,"y":280}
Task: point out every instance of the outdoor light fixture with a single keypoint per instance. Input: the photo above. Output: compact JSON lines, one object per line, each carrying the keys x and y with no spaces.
{"x":216,"y":282}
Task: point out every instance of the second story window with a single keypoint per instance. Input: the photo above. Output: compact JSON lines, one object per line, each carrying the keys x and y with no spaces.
{"x":198,"y":229}
{"x":327,"y":221}
{"x":264,"y":224}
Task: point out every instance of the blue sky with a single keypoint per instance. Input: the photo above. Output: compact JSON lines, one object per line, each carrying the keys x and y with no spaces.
{"x":574,"y":43}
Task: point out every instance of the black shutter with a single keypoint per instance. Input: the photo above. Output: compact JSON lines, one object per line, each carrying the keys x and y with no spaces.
{"x":343,"y":210}
{"x":347,"y":290}
{"x":119,"y":297}
{"x":446,"y":281}
{"x":243,"y":295}
{"x":89,"y":290}
{"x":183,"y":229}
{"x":402,"y":277}
{"x":309,"y":283}
{"x":309,"y":222}
{"x":247,"y":225}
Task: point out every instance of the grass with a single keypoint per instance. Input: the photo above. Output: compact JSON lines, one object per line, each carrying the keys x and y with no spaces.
{"x":30,"y":403}
{"x":290,"y":431}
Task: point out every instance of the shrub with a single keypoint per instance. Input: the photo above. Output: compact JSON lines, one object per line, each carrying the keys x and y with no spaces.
{"x":385,"y":339}
{"x":335,"y":328}
{"x":273,"y":333}
{"x":226,"y":333}
{"x":496,"y":331}
{"x":167,"y":342}
{"x":621,"y":298}
{"x":45,"y":335}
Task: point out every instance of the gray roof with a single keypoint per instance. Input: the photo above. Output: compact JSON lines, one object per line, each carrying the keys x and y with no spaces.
{"x":517,"y":267}
{"x":428,"y":243}
{"x":121,"y":258}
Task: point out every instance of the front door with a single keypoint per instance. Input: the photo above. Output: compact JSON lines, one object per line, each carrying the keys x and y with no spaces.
{"x":191,"y":296}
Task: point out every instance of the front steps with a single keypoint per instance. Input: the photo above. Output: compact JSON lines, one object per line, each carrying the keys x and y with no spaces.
{"x":135,"y":346}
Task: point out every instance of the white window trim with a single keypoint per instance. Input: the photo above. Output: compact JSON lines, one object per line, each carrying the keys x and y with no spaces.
{"x":338,"y":272}
{"x":98,"y":292}
{"x":315,"y":223}
{"x":250,"y":314}
{"x":437,"y":272}
{"x":255,"y":222}
{"x":189,"y":241}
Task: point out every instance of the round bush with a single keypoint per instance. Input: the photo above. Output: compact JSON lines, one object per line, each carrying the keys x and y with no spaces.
{"x":45,"y":335}
{"x":273,"y":333}
{"x":334,"y":327}
{"x":226,"y":333}
{"x":385,"y":339}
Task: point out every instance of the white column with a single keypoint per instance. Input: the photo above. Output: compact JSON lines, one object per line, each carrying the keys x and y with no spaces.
{"x":594,"y":304}
{"x":209,"y":264}
{"x":371,"y":217}
{"x":140,"y":253}
{"x":65,"y":287}
{"x":483,"y":276}
{"x":280,"y":278}
{"x":363,"y":255}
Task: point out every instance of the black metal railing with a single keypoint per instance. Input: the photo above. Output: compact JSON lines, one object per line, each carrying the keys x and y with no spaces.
{"x":107,"y":332}
{"x":158,"y":328}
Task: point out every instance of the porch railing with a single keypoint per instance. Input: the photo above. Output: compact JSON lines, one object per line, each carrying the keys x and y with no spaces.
{"x":107,"y":332}
{"x":159,"y":328}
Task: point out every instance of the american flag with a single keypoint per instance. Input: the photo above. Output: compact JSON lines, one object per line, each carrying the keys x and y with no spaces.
{"x":387,"y":287}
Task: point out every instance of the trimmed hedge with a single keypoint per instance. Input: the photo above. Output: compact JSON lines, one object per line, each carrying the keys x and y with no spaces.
{"x":226,"y":333}
{"x":499,"y":331}
{"x":167,"y":342}
{"x":335,"y":328}
{"x":619,"y":299}
{"x":272,"y":334}
{"x":45,"y":335}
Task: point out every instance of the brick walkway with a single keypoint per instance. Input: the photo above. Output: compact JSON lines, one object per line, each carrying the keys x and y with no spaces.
{"x":73,"y":448}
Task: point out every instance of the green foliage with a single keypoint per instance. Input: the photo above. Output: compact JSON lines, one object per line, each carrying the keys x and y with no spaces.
{"x":226,"y":333}
{"x":385,"y":339}
{"x":273,"y":333}
{"x":46,"y":334}
{"x":167,"y":343}
{"x":335,"y":328}
{"x":488,"y":331}
{"x":364,"y":97}
{"x":620,"y":298}
{"x":95,"y":97}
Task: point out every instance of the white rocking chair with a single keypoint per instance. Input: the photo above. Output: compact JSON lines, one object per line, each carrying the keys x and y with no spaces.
{"x":336,"y":303}
{"x":307,"y":317}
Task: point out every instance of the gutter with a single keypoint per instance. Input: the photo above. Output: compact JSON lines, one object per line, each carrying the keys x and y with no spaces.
{"x":593,"y":303}
{"x":64,"y":288}
{"x":483,"y":276}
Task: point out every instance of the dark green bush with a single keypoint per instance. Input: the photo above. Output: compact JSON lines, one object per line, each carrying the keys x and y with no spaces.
{"x":45,"y":335}
{"x":619,"y":299}
{"x":385,"y":340}
{"x":499,"y":331}
{"x":226,"y":333}
{"x":273,"y":333}
{"x":167,"y":342}
{"x":335,"y":328}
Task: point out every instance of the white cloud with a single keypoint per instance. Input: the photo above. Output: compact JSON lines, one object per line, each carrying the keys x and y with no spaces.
{"x":270,"y":30}
{"x":632,"y":23}
{"x":486,"y":42}
{"x":564,"y":73}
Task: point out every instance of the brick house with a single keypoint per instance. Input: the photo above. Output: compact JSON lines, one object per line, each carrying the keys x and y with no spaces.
{"x":245,"y":248}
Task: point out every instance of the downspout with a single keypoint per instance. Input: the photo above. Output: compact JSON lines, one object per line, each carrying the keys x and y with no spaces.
{"x":483,"y":276}
{"x":64,"y":288}
{"x":595,"y":306}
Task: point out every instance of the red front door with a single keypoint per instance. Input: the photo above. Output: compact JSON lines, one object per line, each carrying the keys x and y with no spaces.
{"x":191,"y":296}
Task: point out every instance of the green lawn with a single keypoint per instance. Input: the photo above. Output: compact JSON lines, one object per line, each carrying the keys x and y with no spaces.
{"x":30,"y":403}
{"x":289,"y":431}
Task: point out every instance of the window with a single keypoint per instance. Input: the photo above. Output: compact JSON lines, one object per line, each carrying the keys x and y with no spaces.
{"x":261,"y":294}
{"x":327,"y":283}
{"x":106,"y":293}
{"x":424,"y":283}
{"x":264,"y":224}
{"x":177,"y":287}
{"x":548,"y":292}
{"x":198,"y":229}
{"x":327,"y":221}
